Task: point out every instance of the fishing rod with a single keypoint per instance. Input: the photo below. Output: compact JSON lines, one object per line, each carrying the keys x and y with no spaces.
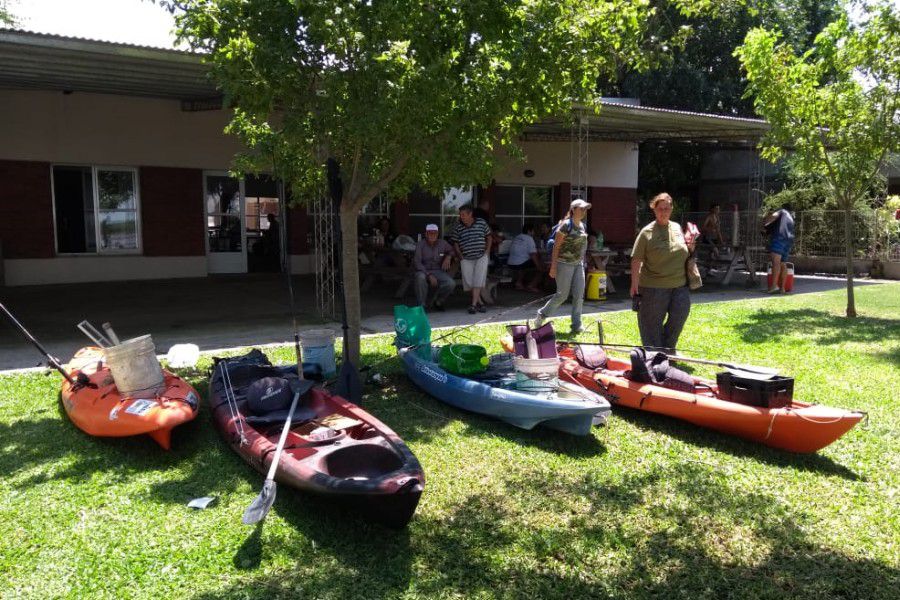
{"x":83,"y":379}
{"x":751,"y":369}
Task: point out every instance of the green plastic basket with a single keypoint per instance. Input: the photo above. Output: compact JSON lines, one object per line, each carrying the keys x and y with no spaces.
{"x":463,"y":359}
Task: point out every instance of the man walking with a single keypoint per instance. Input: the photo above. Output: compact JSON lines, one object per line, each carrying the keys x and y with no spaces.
{"x":472,"y":242}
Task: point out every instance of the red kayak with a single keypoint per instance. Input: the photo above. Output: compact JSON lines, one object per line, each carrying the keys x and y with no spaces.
{"x":334,"y":448}
{"x":796,"y":427}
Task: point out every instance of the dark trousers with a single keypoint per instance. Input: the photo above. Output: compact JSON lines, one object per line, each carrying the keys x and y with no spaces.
{"x":656,"y":303}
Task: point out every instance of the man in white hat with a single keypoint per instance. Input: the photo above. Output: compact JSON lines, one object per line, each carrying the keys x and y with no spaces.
{"x":432,"y":263}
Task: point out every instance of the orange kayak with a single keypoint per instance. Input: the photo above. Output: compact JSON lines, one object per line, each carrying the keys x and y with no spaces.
{"x":100,"y":409}
{"x":798,"y":427}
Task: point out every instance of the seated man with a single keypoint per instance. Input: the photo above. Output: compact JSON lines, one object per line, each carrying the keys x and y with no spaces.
{"x":432,"y":263}
{"x":524,"y":257}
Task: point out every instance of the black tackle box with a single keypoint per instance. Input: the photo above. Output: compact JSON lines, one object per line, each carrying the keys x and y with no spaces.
{"x":767,"y":393}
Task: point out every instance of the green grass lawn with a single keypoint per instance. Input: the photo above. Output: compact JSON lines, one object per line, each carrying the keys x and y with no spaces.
{"x":645,"y":507}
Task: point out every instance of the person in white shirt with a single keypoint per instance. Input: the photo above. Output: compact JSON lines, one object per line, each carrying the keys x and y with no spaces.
{"x":524,"y":258}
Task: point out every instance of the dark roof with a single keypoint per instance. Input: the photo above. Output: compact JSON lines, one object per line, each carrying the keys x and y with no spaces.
{"x":43,"y":61}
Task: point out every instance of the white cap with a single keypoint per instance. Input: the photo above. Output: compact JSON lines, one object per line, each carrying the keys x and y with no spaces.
{"x":431,"y":227}
{"x":579,"y":203}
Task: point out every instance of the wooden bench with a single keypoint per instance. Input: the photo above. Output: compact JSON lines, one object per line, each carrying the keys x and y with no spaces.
{"x":488,"y":294}
{"x":727,"y":260}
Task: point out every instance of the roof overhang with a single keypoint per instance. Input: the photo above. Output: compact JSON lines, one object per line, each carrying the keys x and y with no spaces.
{"x":51,"y":62}
{"x":632,"y":123}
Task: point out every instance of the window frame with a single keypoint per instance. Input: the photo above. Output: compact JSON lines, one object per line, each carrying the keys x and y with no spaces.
{"x":100,"y":251}
{"x":444,"y":220}
{"x":522,"y":215}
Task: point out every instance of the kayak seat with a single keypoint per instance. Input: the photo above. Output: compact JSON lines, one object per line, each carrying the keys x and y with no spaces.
{"x":654,"y":368}
{"x":302,"y":414}
{"x":544,"y":337}
{"x":591,"y":356}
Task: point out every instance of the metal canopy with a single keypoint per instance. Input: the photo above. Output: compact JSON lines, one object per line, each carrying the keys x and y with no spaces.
{"x":51,"y":62}
{"x":632,"y":123}
{"x":42,"y":61}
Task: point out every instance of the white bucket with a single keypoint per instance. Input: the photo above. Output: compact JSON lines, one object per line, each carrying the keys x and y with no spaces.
{"x":134,"y":367}
{"x":317,"y":347}
{"x":537,"y":374}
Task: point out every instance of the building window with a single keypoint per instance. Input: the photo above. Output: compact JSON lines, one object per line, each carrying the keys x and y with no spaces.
{"x":516,"y":205}
{"x":425,"y":208}
{"x":96,"y":210}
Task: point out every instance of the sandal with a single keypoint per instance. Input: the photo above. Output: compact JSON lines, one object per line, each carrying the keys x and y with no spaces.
{"x":472,"y":310}
{"x":481,"y":308}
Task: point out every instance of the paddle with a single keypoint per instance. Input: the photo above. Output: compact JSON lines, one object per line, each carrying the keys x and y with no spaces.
{"x":749,"y":371}
{"x":260,"y":506}
{"x":348,"y":383}
{"x":51,"y":360}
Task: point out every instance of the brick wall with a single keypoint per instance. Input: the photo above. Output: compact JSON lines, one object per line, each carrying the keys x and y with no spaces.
{"x":298,"y":228}
{"x":26,"y":210}
{"x":172,"y":211}
{"x":613,"y":213}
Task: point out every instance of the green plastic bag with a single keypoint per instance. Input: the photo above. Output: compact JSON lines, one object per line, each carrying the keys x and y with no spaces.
{"x":413,"y":329}
{"x":463,"y":359}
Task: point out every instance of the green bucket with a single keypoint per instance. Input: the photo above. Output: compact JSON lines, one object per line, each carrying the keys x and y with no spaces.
{"x":463,"y":359}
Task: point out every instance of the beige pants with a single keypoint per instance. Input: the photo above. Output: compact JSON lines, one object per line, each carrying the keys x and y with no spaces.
{"x":474,"y":272}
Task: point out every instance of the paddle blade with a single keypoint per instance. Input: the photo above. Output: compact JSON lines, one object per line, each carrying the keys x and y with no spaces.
{"x":349,"y":385}
{"x":260,"y":506}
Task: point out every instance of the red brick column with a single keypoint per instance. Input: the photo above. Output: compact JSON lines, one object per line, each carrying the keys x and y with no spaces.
{"x":172,"y":211}
{"x":563,"y":199}
{"x":399,"y":216}
{"x":614,"y":211}
{"x":488,"y":193}
{"x":26,"y":210}
{"x":298,"y":227}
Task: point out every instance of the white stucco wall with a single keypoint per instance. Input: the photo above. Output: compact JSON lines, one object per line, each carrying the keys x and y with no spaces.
{"x":612,"y":164}
{"x":104,"y":129}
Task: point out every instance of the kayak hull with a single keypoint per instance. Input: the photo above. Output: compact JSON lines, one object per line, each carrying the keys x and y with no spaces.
{"x":104,"y":412}
{"x":366,"y":467}
{"x":573,"y":416}
{"x":798,"y":427}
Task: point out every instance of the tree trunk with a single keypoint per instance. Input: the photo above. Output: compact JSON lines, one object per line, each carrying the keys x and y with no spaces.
{"x":350,"y":266}
{"x":848,"y":240}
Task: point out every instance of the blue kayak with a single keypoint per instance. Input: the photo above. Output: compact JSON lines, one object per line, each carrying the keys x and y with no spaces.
{"x":571,"y":409}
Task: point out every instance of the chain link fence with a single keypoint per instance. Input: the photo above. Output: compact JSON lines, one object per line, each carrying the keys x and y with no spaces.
{"x":818,"y":233}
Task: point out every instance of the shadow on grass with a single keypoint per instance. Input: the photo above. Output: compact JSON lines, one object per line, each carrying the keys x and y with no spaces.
{"x":699,"y":436}
{"x":826,"y":328}
{"x":679,"y":531}
{"x":342,"y":556}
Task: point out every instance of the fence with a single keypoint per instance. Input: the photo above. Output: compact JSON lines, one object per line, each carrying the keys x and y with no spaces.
{"x":818,"y":233}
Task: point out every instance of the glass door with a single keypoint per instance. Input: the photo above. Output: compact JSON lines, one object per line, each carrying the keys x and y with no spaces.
{"x":226,"y":238}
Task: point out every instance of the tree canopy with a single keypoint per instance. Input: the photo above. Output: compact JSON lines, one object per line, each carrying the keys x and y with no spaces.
{"x":834,"y":108}
{"x":405,"y":93}
{"x":701,"y":73}
{"x":6,"y":17}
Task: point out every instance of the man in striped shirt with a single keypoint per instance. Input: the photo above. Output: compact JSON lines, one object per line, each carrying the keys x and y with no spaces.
{"x":472,"y":242}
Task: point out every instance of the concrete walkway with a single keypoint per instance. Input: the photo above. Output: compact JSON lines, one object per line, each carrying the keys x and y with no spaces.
{"x":235,"y":311}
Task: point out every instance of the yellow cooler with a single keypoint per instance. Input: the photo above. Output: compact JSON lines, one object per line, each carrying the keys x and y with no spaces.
{"x":595,"y":287}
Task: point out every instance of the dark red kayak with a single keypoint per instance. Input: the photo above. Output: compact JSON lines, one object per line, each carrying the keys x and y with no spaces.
{"x":334,"y":448}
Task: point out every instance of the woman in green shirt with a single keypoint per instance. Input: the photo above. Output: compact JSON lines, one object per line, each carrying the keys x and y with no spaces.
{"x":567,"y":264}
{"x":658,"y":278}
